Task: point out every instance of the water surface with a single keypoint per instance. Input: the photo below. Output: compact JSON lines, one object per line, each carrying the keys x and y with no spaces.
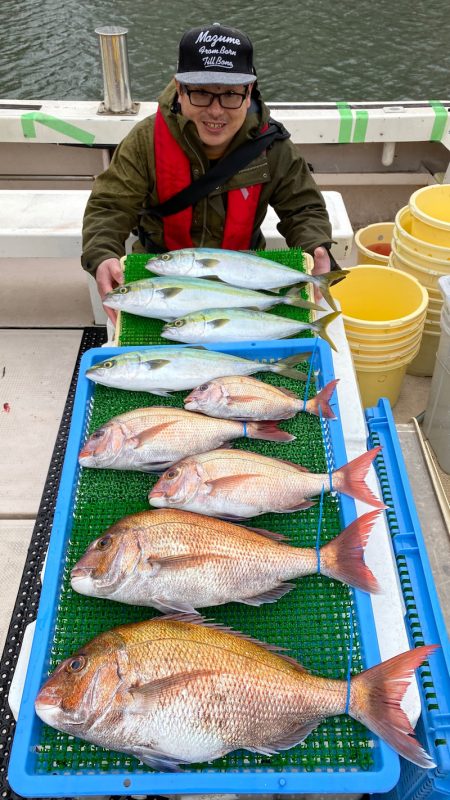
{"x":305,"y":50}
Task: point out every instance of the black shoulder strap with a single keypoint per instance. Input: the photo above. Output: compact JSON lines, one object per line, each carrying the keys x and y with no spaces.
{"x":220,"y":172}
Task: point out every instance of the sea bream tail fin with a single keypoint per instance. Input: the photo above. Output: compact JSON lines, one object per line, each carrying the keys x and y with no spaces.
{"x":320,"y":327}
{"x":285,"y":367}
{"x":343,"y":557}
{"x":350,"y":479}
{"x":375,"y":698}
{"x":324,"y":281}
{"x":322,"y":401}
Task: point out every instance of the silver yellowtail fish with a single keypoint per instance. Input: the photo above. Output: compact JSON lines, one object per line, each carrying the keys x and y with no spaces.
{"x":239,"y":269}
{"x":178,"y":561}
{"x":152,"y":439}
{"x":236,"y":484}
{"x":161,"y":370}
{"x":241,"y":324}
{"x":173,"y":691}
{"x":169,"y":298}
{"x":240,"y":397}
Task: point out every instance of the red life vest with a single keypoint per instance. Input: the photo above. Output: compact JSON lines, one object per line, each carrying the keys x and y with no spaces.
{"x":173,"y":173}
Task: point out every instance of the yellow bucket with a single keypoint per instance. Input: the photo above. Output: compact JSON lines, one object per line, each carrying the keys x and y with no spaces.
{"x":374,"y":243}
{"x":426,"y":277}
{"x":403,"y":232}
{"x":437,"y":265}
{"x":430,"y":214}
{"x":380,"y":299}
{"x":424,"y":362}
{"x":380,"y":380}
{"x":381,"y":306}
{"x":386,"y":348}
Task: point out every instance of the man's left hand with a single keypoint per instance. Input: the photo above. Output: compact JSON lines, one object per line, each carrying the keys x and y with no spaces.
{"x":321,"y":261}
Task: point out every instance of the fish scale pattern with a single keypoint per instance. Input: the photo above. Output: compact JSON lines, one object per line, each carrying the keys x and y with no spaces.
{"x":136,"y":330}
{"x":312,"y":622}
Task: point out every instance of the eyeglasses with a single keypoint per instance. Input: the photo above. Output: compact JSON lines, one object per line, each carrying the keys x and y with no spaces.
{"x":198,"y":97}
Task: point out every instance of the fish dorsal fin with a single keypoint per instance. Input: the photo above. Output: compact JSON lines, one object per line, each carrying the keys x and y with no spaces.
{"x":150,"y":433}
{"x":291,"y":464}
{"x":276,"y":537}
{"x":227,"y":482}
{"x":288,"y":392}
{"x":207,"y":262}
{"x":197,"y":619}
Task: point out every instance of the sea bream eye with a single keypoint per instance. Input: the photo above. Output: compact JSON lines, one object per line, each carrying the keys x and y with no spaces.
{"x":172,"y":473}
{"x":203,"y":387}
{"x":76,"y":664}
{"x":104,"y":543}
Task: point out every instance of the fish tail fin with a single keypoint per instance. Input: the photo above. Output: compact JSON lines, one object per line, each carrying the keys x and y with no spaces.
{"x":321,"y":325}
{"x":376,"y":695}
{"x":294,"y":298}
{"x":268,"y":430}
{"x":285,"y":366}
{"x":343,"y":557}
{"x":350,"y":479}
{"x":322,"y":401}
{"x":324,"y":281}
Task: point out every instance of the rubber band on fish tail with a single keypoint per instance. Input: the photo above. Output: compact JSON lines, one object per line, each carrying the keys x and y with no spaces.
{"x":244,"y":429}
{"x":349,"y":666}
{"x":319,"y":529}
{"x":308,"y":380}
{"x":329,"y":466}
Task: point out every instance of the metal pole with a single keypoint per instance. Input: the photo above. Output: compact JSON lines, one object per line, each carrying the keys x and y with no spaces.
{"x":116,"y":80}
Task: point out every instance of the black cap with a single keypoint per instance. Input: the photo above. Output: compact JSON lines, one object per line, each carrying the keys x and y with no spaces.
{"x":215,"y":54}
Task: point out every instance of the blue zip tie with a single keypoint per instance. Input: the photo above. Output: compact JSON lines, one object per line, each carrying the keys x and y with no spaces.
{"x":329,"y":468}
{"x":308,"y":380}
{"x":349,"y":666}
{"x":244,"y":433}
{"x":319,"y":528}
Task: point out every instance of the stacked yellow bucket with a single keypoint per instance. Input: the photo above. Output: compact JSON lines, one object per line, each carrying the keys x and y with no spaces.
{"x":384,"y":313}
{"x":421,"y":248}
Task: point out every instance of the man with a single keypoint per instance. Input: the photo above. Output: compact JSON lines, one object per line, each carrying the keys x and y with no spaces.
{"x":212,"y":110}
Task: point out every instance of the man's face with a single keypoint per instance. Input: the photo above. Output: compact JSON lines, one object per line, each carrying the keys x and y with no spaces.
{"x":216,"y":126}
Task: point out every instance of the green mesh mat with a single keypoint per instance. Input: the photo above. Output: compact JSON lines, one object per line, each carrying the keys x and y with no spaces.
{"x":136,"y":330}
{"x":312,"y":622}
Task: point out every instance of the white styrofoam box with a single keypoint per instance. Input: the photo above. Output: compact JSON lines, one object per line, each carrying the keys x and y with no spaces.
{"x":342,"y":231}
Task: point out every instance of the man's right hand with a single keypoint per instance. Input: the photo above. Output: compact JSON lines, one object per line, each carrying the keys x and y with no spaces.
{"x":109,"y":275}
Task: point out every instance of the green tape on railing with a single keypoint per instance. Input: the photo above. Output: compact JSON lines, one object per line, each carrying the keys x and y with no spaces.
{"x":440,"y":121}
{"x":362,"y":118}
{"x":346,"y":123}
{"x":72,"y":131}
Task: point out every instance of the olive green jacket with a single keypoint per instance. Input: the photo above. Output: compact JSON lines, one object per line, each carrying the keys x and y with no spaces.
{"x":128,"y":185}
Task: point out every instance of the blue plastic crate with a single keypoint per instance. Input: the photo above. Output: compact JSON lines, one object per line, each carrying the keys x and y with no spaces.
{"x":423,"y":613}
{"x":23,"y":775}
